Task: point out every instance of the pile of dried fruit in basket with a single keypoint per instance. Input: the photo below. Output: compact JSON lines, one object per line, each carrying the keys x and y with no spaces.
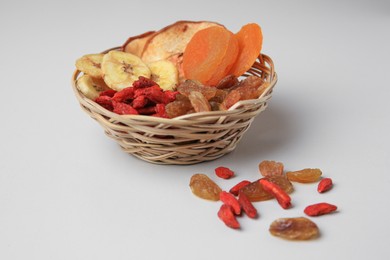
{"x":183,"y":68}
{"x":274,"y":183}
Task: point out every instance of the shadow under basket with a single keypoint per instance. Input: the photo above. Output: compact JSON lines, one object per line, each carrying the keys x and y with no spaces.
{"x":188,"y":139}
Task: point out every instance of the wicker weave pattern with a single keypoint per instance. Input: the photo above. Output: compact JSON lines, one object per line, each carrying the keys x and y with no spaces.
{"x":187,"y":139}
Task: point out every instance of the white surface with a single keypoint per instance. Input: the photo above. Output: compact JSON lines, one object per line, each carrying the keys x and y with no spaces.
{"x":69,"y":192}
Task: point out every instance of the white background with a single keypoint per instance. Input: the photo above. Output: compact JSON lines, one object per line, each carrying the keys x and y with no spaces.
{"x":69,"y":192}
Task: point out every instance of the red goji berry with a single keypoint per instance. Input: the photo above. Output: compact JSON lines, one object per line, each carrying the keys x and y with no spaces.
{"x":160,"y":111}
{"x":105,"y":101}
{"x":325,"y":185}
{"x":281,"y":196}
{"x":319,"y":209}
{"x":247,"y":205}
{"x":171,"y":95}
{"x":224,"y":172}
{"x":124,"y":109}
{"x":125,"y":94}
{"x":143,"y":82}
{"x":228,"y":199}
{"x":225,"y":214}
{"x":236,"y":188}
{"x":108,"y":93}
{"x":149,"y":110}
{"x":139,"y":102}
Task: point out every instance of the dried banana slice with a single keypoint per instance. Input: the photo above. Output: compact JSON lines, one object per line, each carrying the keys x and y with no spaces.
{"x":91,"y":87}
{"x":121,"y":69}
{"x":90,"y":64}
{"x":164,"y":73}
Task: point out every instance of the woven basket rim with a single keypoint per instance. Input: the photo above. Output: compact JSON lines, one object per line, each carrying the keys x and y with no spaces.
{"x":180,"y":120}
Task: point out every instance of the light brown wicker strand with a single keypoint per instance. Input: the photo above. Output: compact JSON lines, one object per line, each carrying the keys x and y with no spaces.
{"x":187,"y":139}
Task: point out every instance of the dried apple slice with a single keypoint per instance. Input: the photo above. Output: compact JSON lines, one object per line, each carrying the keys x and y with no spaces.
{"x":172,"y":40}
{"x":136,"y":44}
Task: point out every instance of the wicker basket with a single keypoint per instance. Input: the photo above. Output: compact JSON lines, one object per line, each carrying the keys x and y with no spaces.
{"x":187,"y":139}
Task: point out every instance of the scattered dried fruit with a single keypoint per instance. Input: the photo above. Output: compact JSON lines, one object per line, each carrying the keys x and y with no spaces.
{"x":268,"y":168}
{"x":319,"y":209}
{"x":281,"y":196}
{"x":226,"y":214}
{"x":228,"y":199}
{"x":256,"y":192}
{"x":224,"y":172}
{"x":236,"y":188}
{"x":299,"y":228}
{"x":202,"y":186}
{"x":247,"y":205}
{"x":305,"y":176}
{"x":325,"y":185}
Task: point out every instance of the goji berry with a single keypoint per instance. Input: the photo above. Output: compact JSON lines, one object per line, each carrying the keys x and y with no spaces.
{"x":143,"y":82}
{"x":236,"y":188}
{"x":281,"y":196}
{"x":160,"y":111}
{"x":224,"y":172}
{"x":149,"y":110}
{"x":325,"y":185}
{"x":247,"y":205}
{"x":229,"y":199}
{"x":124,"y":109}
{"x":105,"y":101}
{"x":139,"y":102}
{"x":319,"y":209}
{"x":225,"y":214}
{"x":125,"y":94}
{"x":108,"y":93}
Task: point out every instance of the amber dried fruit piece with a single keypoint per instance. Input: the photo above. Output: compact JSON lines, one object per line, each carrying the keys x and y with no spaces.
{"x":268,"y":168}
{"x":178,"y":108}
{"x":231,"y":98}
{"x":305,"y":176}
{"x":199,"y":102}
{"x":203,"y":187}
{"x":188,"y":86}
{"x":299,"y":228}
{"x":255,"y":192}
{"x":227,"y":82}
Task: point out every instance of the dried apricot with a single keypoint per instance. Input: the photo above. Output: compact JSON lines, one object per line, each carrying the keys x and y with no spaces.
{"x":250,"y":40}
{"x":210,"y":53}
{"x":268,"y":168}
{"x":203,"y":187}
{"x":305,"y":176}
{"x":299,"y":228}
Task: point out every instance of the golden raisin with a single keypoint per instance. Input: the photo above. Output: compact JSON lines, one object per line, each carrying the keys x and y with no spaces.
{"x":305,"y":176}
{"x":203,"y":187}
{"x":267,"y":168}
{"x":299,"y":228}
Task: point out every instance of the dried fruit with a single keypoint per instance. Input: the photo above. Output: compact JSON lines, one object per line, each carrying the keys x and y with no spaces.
{"x":105,"y":101}
{"x":202,"y":186}
{"x":90,"y":64}
{"x":250,"y":39}
{"x":281,"y":196}
{"x":224,"y":172}
{"x":188,"y":86}
{"x":299,"y":228}
{"x":305,"y":176}
{"x":178,"y":108}
{"x":247,"y":205}
{"x":325,"y":185}
{"x":227,"y":82}
{"x":210,"y":54}
{"x":228,"y":199}
{"x":236,"y":188}
{"x":319,"y":209}
{"x":231,"y":98}
{"x":123,"y":109}
{"x":256,"y":192}
{"x":199,"y":102}
{"x":225,"y":214}
{"x":268,"y":168}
